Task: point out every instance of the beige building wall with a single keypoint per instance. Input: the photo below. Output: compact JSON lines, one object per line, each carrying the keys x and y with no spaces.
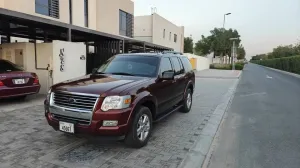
{"x":107,"y":14}
{"x":28,"y":7}
{"x":103,"y":14}
{"x":1,"y":3}
{"x":93,"y":14}
{"x":143,"y":28}
{"x":151,"y":28}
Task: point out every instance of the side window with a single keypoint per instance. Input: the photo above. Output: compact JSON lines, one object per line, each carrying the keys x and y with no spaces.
{"x":165,"y":65}
{"x":178,"y":68}
{"x":187,"y":65}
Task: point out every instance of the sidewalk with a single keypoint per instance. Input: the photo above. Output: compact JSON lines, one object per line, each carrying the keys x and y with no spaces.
{"x":214,"y":73}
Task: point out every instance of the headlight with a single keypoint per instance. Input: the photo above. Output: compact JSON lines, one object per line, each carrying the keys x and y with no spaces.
{"x":116,"y":102}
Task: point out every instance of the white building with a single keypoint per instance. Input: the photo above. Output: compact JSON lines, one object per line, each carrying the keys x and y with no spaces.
{"x":156,"y":29}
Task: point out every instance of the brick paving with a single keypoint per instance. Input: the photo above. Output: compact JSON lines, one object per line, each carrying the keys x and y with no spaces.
{"x":26,"y":140}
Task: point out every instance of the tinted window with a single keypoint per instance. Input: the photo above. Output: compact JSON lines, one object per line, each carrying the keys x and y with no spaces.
{"x":125,"y":24}
{"x":47,"y":7}
{"x":165,"y":65}
{"x":177,"y":67}
{"x":86,"y":13}
{"x":187,"y":64}
{"x":6,"y":66}
{"x":131,"y":65}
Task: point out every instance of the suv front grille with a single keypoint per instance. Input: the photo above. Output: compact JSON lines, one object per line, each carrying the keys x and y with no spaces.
{"x":75,"y":101}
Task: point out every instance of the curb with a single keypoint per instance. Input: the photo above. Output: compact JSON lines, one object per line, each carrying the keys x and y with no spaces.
{"x":197,"y":155}
{"x":281,"y":71}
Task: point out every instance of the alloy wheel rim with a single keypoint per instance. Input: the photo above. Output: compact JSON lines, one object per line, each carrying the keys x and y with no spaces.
{"x":143,"y":127}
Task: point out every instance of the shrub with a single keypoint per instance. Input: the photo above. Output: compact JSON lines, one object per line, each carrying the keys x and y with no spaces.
{"x":290,"y":64}
{"x":238,"y":66}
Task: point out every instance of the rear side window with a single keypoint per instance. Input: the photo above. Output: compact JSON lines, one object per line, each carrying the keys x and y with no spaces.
{"x":6,"y":66}
{"x":178,"y":68}
{"x":165,"y":65}
{"x":187,"y":64}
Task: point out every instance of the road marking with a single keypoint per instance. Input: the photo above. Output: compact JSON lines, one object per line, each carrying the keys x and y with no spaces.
{"x":269,"y":77}
{"x":253,"y":94}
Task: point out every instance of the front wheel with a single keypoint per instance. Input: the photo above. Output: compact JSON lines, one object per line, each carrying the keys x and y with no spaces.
{"x":141,"y":128}
{"x":187,"y":102}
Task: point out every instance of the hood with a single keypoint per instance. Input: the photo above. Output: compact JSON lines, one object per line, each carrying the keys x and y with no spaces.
{"x":99,"y":84}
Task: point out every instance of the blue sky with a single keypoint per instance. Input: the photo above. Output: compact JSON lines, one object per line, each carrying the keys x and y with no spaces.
{"x":262,"y":24}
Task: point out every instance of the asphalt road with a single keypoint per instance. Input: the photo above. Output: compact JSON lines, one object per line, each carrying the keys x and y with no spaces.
{"x":262,"y":126}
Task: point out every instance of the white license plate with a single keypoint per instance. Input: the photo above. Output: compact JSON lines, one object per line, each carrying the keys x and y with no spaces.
{"x":66,"y":127}
{"x":19,"y":81}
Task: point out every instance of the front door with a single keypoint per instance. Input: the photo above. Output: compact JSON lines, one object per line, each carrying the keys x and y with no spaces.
{"x":164,"y":89}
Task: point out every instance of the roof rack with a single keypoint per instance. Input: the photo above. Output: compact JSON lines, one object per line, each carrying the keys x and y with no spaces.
{"x":172,"y":52}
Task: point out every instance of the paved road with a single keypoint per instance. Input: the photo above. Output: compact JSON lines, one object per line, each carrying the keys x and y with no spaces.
{"x":26,"y":140}
{"x":262,"y":126}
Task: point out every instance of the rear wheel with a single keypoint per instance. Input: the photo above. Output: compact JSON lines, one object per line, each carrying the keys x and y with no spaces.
{"x":141,"y":128}
{"x":187,"y":102}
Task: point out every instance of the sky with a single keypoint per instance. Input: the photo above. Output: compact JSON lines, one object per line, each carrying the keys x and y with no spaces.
{"x":262,"y":24}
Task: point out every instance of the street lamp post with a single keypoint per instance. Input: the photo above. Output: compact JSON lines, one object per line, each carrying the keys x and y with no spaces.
{"x":225,"y":19}
{"x":233,"y":52}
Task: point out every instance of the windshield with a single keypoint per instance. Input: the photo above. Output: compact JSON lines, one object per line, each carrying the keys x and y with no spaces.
{"x":6,"y":66}
{"x":131,"y":65}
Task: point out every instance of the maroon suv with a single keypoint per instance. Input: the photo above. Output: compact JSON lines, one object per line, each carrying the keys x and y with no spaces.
{"x":15,"y":82}
{"x":123,"y":97}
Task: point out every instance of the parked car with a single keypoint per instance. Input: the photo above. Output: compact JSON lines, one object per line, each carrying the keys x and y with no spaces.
{"x":123,"y":97}
{"x":15,"y":82}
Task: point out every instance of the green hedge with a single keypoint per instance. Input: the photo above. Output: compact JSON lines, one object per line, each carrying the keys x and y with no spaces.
{"x":238,"y":66}
{"x":290,"y":64}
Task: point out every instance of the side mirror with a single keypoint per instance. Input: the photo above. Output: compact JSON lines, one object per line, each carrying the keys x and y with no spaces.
{"x":167,"y":75}
{"x":94,"y":70}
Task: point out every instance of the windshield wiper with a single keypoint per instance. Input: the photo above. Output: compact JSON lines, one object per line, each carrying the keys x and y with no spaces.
{"x":122,"y":73}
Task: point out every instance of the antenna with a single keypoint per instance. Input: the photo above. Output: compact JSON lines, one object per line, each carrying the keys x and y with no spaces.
{"x":153,"y":10}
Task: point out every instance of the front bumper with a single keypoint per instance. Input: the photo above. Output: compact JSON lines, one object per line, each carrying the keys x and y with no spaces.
{"x":90,"y":125}
{"x":7,"y":92}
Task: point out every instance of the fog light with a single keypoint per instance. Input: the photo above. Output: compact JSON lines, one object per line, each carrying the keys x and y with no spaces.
{"x":110,"y":123}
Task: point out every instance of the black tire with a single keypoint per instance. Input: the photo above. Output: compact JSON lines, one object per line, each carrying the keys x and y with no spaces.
{"x":132,"y":138}
{"x":186,"y":107}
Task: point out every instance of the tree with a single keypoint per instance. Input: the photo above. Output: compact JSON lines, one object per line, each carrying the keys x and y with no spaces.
{"x":241,"y":53}
{"x":218,"y":42}
{"x":188,"y":45}
{"x":284,"y":51}
{"x":203,"y":46}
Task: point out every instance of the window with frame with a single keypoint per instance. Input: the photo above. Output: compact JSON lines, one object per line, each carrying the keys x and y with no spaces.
{"x":175,"y":38}
{"x":186,"y":64}
{"x":86,"y":13}
{"x":125,"y":24}
{"x":170,"y":36}
{"x":47,"y":7}
{"x":164,"y":33}
{"x":70,"y":11}
{"x":177,"y":66}
{"x":165,"y":65}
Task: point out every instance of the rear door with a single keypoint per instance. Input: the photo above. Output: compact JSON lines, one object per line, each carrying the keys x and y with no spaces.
{"x":13,"y":76}
{"x":179,"y":79}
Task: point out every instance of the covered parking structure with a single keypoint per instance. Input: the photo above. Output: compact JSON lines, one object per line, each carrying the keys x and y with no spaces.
{"x":99,"y":46}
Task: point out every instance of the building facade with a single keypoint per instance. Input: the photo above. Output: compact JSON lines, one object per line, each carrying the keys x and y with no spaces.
{"x":156,"y":29}
{"x":108,"y":16}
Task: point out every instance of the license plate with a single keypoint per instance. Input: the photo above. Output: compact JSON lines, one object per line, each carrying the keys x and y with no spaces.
{"x":66,"y":127}
{"x":19,"y":81}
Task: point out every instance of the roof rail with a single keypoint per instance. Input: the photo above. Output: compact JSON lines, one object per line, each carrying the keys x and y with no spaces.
{"x":172,"y":52}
